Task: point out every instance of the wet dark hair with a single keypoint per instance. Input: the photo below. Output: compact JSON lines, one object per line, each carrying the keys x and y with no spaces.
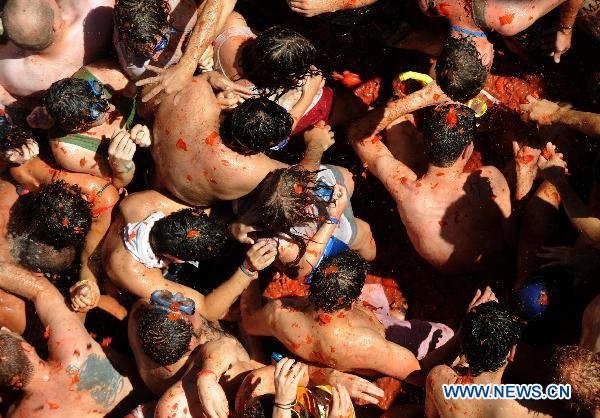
{"x":56,"y":214}
{"x":69,"y":101}
{"x":282,"y":199}
{"x":580,"y":368}
{"x":41,"y":257}
{"x":15,"y":368}
{"x":189,"y":235}
{"x":447,"y":131}
{"x":488,"y":334}
{"x":279,"y":59}
{"x":459,"y":71}
{"x":164,"y":339}
{"x":38,"y":34}
{"x":338,"y":281}
{"x":255,"y":126}
{"x":13,"y":136}
{"x":141,"y":22}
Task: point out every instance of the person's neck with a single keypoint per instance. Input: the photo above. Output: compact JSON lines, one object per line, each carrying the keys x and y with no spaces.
{"x":40,"y":379}
{"x":490,"y":377}
{"x":444,"y":174}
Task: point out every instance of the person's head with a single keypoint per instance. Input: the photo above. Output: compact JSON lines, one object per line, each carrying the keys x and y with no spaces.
{"x":279,"y":59}
{"x":75,"y":104}
{"x":459,"y":70}
{"x":16,"y":369}
{"x":338,"y":281}
{"x":30,"y":24}
{"x":164,"y":336}
{"x":13,"y":137}
{"x":448,"y":130}
{"x":580,"y":368}
{"x":41,"y":257}
{"x":255,"y":126}
{"x":188,"y":235}
{"x":144,"y":25}
{"x":56,"y":214}
{"x":489,"y":335}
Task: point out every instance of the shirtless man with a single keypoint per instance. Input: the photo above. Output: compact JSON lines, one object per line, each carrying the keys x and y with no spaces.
{"x":102,"y":196}
{"x":50,"y":40}
{"x":77,"y":379}
{"x":152,"y":231}
{"x":456,"y":221}
{"x":201,"y":160}
{"x":489,"y":336}
{"x":330,"y":329}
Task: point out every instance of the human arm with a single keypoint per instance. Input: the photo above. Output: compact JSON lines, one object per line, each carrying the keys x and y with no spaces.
{"x":499,"y":193}
{"x":545,"y":112}
{"x":310,"y":8}
{"x":341,"y":404}
{"x":358,"y":388}
{"x":211,"y":16}
{"x":318,"y":139}
{"x":568,"y":14}
{"x":61,"y":324}
{"x":256,"y":318}
{"x":553,"y":169}
{"x":217,"y":357}
{"x":310,"y":88}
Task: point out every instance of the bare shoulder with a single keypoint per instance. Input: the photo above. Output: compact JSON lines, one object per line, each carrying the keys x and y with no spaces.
{"x":137,"y":206}
{"x":494,"y":175}
{"x":439,"y":375}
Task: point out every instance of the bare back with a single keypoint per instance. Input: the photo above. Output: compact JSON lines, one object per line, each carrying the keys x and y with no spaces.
{"x":191,"y":161}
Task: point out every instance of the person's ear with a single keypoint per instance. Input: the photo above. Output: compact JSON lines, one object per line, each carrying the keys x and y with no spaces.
{"x":468,"y":151}
{"x":512,"y":353}
{"x":39,"y":118}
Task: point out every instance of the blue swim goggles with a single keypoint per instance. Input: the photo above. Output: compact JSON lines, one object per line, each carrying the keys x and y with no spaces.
{"x":281,"y":145}
{"x":162,"y":44}
{"x":95,"y":110}
{"x":173,"y":303}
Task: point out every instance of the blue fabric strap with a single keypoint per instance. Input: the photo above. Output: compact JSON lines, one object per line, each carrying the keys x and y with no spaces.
{"x":468,"y":32}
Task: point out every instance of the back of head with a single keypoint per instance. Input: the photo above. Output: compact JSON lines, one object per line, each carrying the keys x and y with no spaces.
{"x":41,"y":257}
{"x":188,"y":235}
{"x":56,"y":214}
{"x":29,"y":24}
{"x":447,"y":131}
{"x":15,"y":368}
{"x":141,"y":23}
{"x":488,"y":334}
{"x":255,"y":126}
{"x":73,"y":104}
{"x":164,"y":338}
{"x":279,"y":60}
{"x":13,"y":136}
{"x":459,"y":71}
{"x":580,"y":368}
{"x":338,"y":281}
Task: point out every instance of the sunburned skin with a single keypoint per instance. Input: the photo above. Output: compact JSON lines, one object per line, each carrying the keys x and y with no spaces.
{"x":191,"y":161}
{"x":77,"y":379}
{"x":72,"y":48}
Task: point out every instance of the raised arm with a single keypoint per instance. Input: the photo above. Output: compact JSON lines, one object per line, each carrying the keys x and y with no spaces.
{"x":546,"y":112}
{"x":211,"y":16}
{"x":310,"y":8}
{"x":568,"y":14}
{"x":256,"y":317}
{"x":62,"y":325}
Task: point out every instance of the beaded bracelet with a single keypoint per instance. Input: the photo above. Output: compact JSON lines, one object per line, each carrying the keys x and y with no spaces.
{"x":247,"y":271}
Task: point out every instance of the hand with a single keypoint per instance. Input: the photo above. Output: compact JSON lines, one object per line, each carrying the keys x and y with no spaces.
{"x":211,"y":394}
{"x":542,"y":111}
{"x":357,"y":387}
{"x":261,"y":255}
{"x":239,"y":231}
{"x":339,"y":202}
{"x":310,"y":8}
{"x":479,"y":298}
{"x":140,"y":134}
{"x":341,"y":405}
{"x":85,"y":295}
{"x":221,"y":83}
{"x":311,"y":85}
{"x":561,"y":44}
{"x":170,"y":80}
{"x":22,"y":154}
{"x":120,"y":152}
{"x":229,"y":100}
{"x":319,"y":138}
{"x":287,"y":377}
{"x":551,"y":164}
{"x":206,"y":62}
